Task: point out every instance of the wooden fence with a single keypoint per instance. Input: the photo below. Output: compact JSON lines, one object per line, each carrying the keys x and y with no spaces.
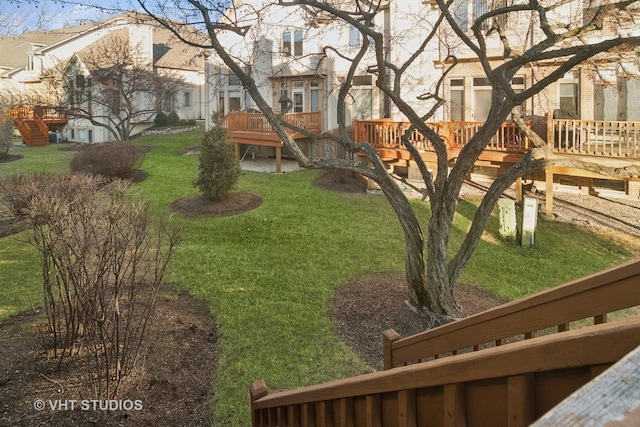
{"x":509,"y":383}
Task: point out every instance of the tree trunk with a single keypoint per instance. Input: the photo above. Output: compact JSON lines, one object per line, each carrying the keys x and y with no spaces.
{"x":414,"y":242}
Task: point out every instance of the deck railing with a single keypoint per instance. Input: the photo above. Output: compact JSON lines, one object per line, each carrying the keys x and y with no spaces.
{"x":584,"y":137}
{"x":28,"y":113}
{"x":594,"y":137}
{"x":386,"y":133}
{"x":514,"y":383}
{"x":241,"y":121}
{"x":551,"y":311}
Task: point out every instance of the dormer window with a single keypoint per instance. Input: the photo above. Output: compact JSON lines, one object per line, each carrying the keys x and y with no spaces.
{"x":292,"y":43}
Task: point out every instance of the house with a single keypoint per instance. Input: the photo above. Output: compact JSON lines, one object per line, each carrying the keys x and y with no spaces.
{"x":301,"y":56}
{"x":32,"y":56}
{"x":598,"y":98}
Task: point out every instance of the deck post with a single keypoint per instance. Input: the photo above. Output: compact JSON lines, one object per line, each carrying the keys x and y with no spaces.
{"x":278,"y":159}
{"x":548,"y":193}
{"x":519,"y":189}
{"x":257,"y":390}
{"x":521,"y":400}
{"x":388,"y":338}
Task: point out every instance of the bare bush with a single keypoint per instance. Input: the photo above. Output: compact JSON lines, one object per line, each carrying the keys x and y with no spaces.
{"x":103,"y":261}
{"x":114,"y":160}
{"x":16,"y":192}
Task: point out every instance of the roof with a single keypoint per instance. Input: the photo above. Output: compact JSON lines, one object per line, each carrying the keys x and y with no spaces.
{"x":168,"y":51}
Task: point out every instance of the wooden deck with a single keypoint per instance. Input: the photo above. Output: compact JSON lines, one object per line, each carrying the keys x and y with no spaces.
{"x":506,"y":366}
{"x":253,"y":129}
{"x":33,"y":123}
{"x":614,"y":143}
{"x":619,"y":140}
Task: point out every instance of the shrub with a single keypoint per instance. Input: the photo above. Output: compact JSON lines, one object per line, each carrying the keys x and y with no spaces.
{"x":161,"y":119}
{"x":17,"y":191}
{"x":6,"y":136}
{"x":111,"y":160}
{"x":219,"y":168}
{"x":173,"y":119}
{"x":103,"y":261}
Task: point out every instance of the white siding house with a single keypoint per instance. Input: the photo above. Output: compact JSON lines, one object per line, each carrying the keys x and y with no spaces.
{"x":32,"y":54}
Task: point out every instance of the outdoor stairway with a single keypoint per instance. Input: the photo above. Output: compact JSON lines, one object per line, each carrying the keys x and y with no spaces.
{"x":35,"y":138}
{"x":508,"y":366}
{"x":33,"y":123}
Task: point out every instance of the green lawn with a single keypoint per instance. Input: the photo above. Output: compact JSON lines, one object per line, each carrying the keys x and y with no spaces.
{"x":268,"y":275}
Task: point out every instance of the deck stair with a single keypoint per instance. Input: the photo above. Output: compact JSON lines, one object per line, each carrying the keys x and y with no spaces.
{"x":508,"y":366}
{"x":34,"y":124}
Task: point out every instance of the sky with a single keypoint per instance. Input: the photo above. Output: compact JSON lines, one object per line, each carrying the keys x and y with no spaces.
{"x":17,"y":16}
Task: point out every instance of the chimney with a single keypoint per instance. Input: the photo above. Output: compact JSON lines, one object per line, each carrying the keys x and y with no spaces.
{"x":141,"y":43}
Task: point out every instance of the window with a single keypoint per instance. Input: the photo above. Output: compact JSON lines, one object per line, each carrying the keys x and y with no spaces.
{"x":284,"y":99}
{"x":233,"y":79}
{"x":481,"y":98}
{"x":517,"y":83}
{"x":462,"y":10}
{"x":71,"y":94}
{"x":459,"y":10}
{"x":503,"y":19}
{"x":221,"y":103}
{"x":286,"y":43}
{"x":479,"y":8}
{"x":355,"y":38}
{"x":611,"y":99}
{"x":168,"y":102}
{"x":298,"y":97}
{"x":569,"y":98}
{"x":364,"y":80}
{"x":297,"y":43}
{"x":235,"y":98}
{"x":456,"y":100}
{"x":187,"y":99}
{"x":295,"y":49}
{"x":314,"y":94}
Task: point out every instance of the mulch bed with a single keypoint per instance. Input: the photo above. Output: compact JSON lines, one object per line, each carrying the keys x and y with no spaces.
{"x":10,"y":158}
{"x":197,"y":206}
{"x":173,"y":382}
{"x":362,"y":310}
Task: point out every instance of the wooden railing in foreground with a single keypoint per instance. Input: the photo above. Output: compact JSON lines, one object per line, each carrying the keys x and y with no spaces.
{"x":511,"y":384}
{"x":591,"y":297}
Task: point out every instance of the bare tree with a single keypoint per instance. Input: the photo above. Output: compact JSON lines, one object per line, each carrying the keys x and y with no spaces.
{"x":544,"y":42}
{"x":15,"y":20}
{"x":113,"y":85}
